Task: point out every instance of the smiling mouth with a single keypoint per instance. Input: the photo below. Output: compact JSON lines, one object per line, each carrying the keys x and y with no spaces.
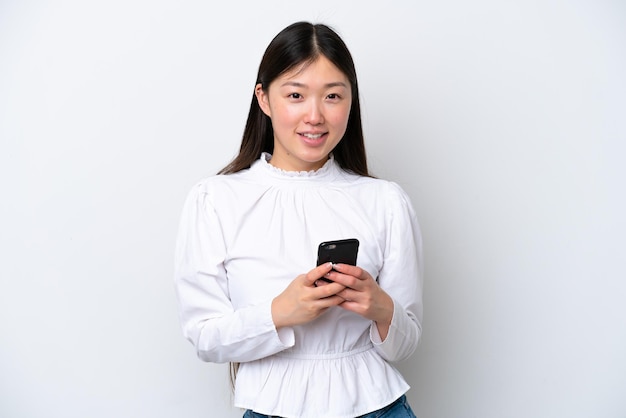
{"x":313,"y":136}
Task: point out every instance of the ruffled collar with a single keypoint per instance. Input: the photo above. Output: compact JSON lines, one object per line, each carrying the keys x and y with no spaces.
{"x":327,"y":169}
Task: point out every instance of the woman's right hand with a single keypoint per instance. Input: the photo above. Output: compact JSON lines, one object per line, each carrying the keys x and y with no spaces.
{"x":302,"y":301}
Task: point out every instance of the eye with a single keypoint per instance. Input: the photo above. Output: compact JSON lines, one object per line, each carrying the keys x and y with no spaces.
{"x":295,"y":96}
{"x":333,"y":96}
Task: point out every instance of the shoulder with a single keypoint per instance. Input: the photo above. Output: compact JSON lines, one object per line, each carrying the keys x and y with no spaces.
{"x":209,"y":188}
{"x":382,"y":187}
{"x":380,"y":195}
{"x":218,"y":181}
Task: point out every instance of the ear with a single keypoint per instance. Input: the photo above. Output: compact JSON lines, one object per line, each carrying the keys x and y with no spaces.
{"x":263,"y":99}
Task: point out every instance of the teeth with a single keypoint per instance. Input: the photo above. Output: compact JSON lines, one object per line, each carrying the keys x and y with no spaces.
{"x":313,"y":136}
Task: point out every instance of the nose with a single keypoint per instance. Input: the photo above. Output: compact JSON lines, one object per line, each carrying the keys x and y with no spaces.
{"x":314,"y":114}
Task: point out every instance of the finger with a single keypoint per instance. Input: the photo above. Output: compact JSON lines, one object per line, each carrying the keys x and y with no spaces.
{"x":330,"y":301}
{"x":349,"y":270}
{"x":322,"y":282}
{"x":328,"y":290}
{"x":317,"y":273}
{"x":346,"y":280}
{"x":354,"y":271}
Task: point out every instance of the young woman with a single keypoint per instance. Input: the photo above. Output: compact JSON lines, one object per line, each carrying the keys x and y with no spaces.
{"x":311,"y":341}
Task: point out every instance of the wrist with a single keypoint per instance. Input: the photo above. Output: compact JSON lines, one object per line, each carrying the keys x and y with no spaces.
{"x":384,"y":319}
{"x":277,"y":317}
{"x":274,"y":311}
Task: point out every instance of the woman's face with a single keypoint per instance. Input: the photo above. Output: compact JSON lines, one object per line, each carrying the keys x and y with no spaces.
{"x":309,"y":108}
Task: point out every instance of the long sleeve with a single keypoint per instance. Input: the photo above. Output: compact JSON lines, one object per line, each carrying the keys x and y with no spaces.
{"x":218,"y":331}
{"x":402,"y":278}
{"x":244,"y":237}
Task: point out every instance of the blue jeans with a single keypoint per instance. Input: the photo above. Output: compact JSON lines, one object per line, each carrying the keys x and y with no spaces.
{"x":399,"y":409}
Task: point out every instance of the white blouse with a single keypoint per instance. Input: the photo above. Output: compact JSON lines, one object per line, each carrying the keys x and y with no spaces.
{"x":244,"y":237}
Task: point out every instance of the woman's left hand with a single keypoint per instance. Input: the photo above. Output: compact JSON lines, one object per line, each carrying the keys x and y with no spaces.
{"x":362,"y":295}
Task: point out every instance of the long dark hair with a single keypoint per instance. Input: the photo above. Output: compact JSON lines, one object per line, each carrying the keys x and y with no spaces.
{"x":297,"y":44}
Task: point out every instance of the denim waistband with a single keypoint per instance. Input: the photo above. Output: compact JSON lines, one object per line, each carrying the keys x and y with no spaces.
{"x":251,"y":414}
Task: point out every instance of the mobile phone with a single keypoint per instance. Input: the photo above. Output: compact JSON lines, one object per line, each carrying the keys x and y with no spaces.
{"x":342,"y":251}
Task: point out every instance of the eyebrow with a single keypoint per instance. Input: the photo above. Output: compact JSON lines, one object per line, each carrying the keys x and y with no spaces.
{"x":329,"y":85}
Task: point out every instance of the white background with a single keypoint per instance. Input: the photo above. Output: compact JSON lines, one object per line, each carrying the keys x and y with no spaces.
{"x":504,"y":121}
